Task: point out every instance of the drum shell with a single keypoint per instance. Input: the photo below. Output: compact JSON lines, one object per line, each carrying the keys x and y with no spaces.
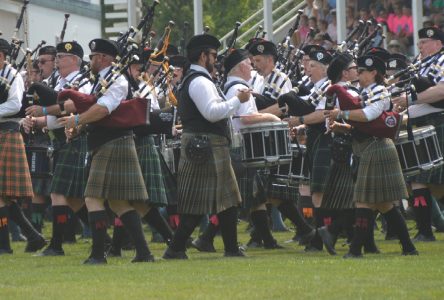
{"x":39,"y":161}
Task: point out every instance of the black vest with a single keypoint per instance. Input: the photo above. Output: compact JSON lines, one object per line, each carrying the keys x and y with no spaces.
{"x":192,"y":119}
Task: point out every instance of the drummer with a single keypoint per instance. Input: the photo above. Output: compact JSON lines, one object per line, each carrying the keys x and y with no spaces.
{"x":422,"y":113}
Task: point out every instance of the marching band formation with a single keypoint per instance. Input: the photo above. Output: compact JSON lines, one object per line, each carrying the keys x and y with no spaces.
{"x":329,"y":135}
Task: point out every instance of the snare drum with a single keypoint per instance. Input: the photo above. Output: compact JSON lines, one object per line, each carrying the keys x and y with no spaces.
{"x":297,"y":171}
{"x":265,"y":145}
{"x":39,"y":161}
{"x":421,"y":154}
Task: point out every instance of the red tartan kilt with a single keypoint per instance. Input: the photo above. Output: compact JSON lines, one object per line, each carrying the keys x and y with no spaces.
{"x":15,"y":179}
{"x":130,"y":113}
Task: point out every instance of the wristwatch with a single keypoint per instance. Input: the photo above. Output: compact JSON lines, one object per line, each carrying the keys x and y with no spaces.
{"x":301,"y":120}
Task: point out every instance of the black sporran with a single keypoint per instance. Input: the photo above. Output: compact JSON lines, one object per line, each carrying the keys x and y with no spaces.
{"x":341,"y":148}
{"x":198,"y":149}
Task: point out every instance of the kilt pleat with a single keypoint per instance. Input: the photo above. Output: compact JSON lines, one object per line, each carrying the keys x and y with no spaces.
{"x":150,"y":165}
{"x":319,"y":157}
{"x":15,"y":179}
{"x":338,"y":192}
{"x":379,"y":177}
{"x":436,"y":175}
{"x":207,"y":187}
{"x":115,"y":173}
{"x":71,"y":168}
{"x":169,"y":180}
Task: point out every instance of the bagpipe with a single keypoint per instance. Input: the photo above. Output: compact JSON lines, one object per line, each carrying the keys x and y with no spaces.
{"x":386,"y":125}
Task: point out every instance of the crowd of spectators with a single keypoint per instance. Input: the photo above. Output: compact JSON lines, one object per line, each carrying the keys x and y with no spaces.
{"x":394,"y":15}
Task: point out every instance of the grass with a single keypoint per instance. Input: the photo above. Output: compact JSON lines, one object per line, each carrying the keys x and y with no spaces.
{"x":265,"y":274}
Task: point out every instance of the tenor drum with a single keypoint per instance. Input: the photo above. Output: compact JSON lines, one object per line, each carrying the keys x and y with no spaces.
{"x":39,"y":161}
{"x":266,"y":145}
{"x":297,"y":171}
{"x":421,"y":154}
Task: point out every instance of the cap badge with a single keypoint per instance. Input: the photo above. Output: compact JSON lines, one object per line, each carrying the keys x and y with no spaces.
{"x":68,"y":47}
{"x":93,"y":45}
{"x":369,"y":62}
{"x":319,"y":55}
{"x":430,"y":33}
{"x":392,"y":64}
{"x":260,"y":48}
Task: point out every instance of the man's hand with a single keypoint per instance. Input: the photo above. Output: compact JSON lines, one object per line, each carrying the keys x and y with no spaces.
{"x":28,"y":123}
{"x":244,"y":95}
{"x":68,"y":121}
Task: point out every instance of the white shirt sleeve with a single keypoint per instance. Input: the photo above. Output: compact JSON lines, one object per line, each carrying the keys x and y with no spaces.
{"x":13,"y":103}
{"x":212,"y":107}
{"x":116,"y":93}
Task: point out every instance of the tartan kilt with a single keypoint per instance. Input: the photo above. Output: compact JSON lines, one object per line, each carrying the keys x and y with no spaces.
{"x":284,"y":192}
{"x":208,"y":187}
{"x":319,"y":157}
{"x":169,"y":180}
{"x":251,"y":181}
{"x":115,"y":172}
{"x":149,"y":161}
{"x":338,"y":192}
{"x":71,"y":168}
{"x":436,"y":175}
{"x":379,"y":178}
{"x":15,"y":179}
{"x":41,"y":186}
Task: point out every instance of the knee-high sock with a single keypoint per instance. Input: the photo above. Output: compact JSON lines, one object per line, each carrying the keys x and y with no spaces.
{"x":118,"y":234}
{"x":131,"y":220}
{"x":82,"y":214}
{"x":37,"y":214}
{"x":423,"y":211}
{"x":228,"y":228}
{"x":259,"y":218}
{"x":290,"y":211}
{"x":70,"y":229}
{"x":4,"y":229}
{"x":16,"y":215}
{"x":397,"y":222}
{"x":369,"y":244}
{"x":186,"y":227}
{"x":98,"y":222}
{"x":154,"y":219}
{"x":59,"y":219}
{"x":362,"y":221}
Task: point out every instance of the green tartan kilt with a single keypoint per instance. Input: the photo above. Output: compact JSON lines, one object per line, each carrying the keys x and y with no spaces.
{"x":436,"y":175}
{"x":379,"y":178}
{"x":41,"y":186}
{"x":319,"y":158}
{"x":115,"y":172}
{"x":338,"y":192}
{"x":150,"y":165}
{"x":71,"y":168}
{"x":209,"y":186}
{"x":252,"y":182}
{"x":15,"y":179}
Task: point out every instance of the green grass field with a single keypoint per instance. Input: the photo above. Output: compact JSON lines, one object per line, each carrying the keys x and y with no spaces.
{"x":265,"y":274}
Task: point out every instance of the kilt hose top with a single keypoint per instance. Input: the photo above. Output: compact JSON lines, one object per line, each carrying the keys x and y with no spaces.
{"x":15,"y":179}
{"x":319,"y":157}
{"x":115,"y":172}
{"x":379,"y":177}
{"x":71,"y":168}
{"x":435,"y":175}
{"x":209,"y":186}
{"x":150,"y":165}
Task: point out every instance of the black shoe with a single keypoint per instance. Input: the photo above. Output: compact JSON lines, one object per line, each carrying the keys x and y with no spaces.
{"x":311,"y":248}
{"x":95,"y":261}
{"x":203,"y":245}
{"x":147,"y":258}
{"x":351,"y":255}
{"x":51,"y":252}
{"x":372,"y":250}
{"x":306,"y":238}
{"x":423,"y":238}
{"x":254,"y":244}
{"x":238,"y":253}
{"x":171,"y":254}
{"x":412,"y":252}
{"x":274,"y":245}
{"x":327,"y":239}
{"x":35,"y":245}
{"x":5,"y":251}
{"x":113,"y":252}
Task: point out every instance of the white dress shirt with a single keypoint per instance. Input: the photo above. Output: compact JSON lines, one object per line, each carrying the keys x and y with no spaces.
{"x":115,"y":94}
{"x":375,"y":109}
{"x":205,"y":96}
{"x":13,"y":103}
